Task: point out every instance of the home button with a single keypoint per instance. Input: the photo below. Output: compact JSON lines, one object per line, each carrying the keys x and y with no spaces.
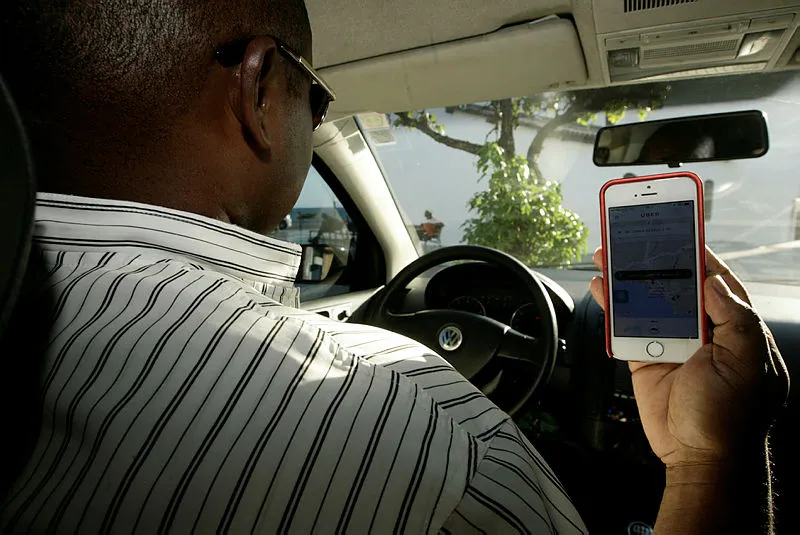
{"x":655,"y":349}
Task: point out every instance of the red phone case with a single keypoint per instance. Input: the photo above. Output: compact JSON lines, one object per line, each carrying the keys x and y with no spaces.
{"x":701,"y":240}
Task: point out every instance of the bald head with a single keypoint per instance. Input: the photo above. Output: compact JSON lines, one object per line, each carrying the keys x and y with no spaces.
{"x":119,"y":81}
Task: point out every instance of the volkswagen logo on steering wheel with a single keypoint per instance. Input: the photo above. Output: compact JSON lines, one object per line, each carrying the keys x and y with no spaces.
{"x":450,"y":338}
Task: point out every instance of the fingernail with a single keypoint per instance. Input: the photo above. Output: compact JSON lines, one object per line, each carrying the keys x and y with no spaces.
{"x":719,"y":286}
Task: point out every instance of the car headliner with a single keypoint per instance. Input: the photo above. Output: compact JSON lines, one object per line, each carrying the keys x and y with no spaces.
{"x":359,"y":39}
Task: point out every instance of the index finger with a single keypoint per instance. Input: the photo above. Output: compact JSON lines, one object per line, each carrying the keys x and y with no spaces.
{"x":737,"y":329}
{"x":716,"y":266}
{"x":597,"y":258}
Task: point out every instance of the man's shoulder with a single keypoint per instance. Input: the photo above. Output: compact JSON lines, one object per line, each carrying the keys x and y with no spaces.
{"x":420,"y":372}
{"x":382,"y":355}
{"x":422,"y":369}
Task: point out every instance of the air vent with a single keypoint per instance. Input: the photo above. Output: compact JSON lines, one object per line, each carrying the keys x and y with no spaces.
{"x":642,"y":5}
{"x":694,"y":49}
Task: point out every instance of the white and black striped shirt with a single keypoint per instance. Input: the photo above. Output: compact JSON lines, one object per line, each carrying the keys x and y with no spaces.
{"x":183,"y":391}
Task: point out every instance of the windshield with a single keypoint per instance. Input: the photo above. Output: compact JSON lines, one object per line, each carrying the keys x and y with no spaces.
{"x":517,"y":174}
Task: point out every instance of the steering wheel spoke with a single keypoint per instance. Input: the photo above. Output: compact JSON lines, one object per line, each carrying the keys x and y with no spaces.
{"x":421,"y":326}
{"x":520,"y":347}
{"x":468,"y":341}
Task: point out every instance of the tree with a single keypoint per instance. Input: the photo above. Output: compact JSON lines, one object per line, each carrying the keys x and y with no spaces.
{"x":521,"y":215}
{"x":521,"y":212}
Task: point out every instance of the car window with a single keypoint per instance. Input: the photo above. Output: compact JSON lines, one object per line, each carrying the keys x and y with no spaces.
{"x":517,"y":174}
{"x":320,"y":224}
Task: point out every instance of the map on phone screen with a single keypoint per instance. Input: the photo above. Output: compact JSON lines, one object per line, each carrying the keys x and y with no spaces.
{"x":653,"y":268}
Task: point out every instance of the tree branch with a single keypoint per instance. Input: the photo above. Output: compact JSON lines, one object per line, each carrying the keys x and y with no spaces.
{"x":424,"y":126}
{"x":544,"y":132}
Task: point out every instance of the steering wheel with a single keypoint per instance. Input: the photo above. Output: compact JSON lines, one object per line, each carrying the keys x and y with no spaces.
{"x":508,"y":366}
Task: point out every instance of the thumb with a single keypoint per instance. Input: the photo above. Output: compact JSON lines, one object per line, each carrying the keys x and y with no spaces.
{"x":737,"y":327}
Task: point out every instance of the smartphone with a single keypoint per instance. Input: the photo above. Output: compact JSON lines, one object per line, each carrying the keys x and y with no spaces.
{"x":654,"y":267}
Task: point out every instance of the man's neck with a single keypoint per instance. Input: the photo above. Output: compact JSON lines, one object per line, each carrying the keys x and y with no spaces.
{"x":161,"y":176}
{"x":166,"y":193}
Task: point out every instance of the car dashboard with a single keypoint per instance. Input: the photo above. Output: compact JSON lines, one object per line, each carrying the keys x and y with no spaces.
{"x":478,"y":288}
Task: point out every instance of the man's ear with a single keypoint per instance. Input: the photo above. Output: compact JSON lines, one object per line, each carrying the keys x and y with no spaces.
{"x":252,"y":91}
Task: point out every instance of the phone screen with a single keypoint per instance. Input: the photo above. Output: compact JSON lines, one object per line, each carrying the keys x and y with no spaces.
{"x":653,"y":266}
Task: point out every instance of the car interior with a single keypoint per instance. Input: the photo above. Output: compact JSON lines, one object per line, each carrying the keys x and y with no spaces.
{"x":535,"y":339}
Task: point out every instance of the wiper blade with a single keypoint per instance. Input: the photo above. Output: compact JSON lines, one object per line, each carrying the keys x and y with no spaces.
{"x":790,"y":282}
{"x":761,"y":250}
{"x":580,"y":266}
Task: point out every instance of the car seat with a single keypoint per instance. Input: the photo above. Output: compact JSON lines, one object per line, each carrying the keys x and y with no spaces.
{"x":17,"y":198}
{"x":17,"y":356}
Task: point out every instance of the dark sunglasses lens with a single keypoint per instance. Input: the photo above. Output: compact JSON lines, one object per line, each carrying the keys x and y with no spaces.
{"x":319,"y":104}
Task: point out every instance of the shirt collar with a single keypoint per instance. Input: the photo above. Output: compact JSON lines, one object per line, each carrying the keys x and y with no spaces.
{"x":66,"y":222}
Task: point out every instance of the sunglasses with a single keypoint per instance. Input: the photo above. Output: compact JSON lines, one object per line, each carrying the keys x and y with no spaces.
{"x":321,"y":94}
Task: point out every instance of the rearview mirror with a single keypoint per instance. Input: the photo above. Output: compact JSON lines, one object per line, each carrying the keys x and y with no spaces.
{"x":702,"y":138}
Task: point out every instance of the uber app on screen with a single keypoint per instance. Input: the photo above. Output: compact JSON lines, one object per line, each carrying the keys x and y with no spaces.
{"x":653,"y":267}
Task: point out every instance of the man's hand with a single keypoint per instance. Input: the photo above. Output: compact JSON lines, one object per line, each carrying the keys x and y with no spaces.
{"x":708,"y":419}
{"x":721,"y":401}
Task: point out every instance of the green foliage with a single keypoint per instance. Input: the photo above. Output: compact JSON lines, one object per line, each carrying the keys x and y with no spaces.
{"x":521,"y":215}
{"x":613,"y":103}
{"x":413,"y":119}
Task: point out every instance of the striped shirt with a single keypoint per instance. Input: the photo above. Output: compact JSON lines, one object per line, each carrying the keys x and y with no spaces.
{"x":184,"y":391}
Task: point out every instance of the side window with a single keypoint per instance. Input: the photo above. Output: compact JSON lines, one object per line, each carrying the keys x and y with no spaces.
{"x":328,"y":235}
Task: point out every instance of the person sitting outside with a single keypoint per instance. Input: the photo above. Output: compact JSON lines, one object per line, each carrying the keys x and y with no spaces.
{"x":432,"y":228}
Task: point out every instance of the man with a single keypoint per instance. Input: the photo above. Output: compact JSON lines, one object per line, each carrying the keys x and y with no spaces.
{"x":182,"y":390}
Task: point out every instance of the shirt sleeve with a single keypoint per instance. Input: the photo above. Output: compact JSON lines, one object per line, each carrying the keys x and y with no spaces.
{"x":513,"y":490}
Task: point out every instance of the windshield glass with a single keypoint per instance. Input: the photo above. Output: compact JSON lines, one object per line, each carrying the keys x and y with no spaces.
{"x":453,"y":175}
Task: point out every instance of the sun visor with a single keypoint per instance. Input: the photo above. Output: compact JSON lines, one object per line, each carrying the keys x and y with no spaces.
{"x":520,"y":60}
